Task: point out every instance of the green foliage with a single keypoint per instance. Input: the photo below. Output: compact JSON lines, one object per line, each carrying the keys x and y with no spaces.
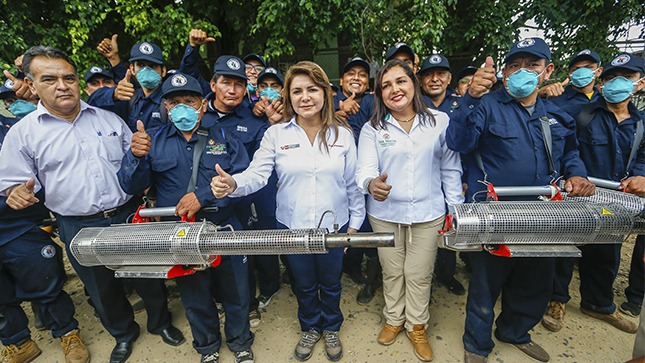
{"x":465,"y":30}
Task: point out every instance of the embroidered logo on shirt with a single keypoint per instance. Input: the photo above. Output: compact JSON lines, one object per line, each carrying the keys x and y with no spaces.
{"x":386,"y":142}
{"x":214,"y":148}
{"x":242,"y":128}
{"x":156,"y":115}
{"x":290,"y":146}
{"x":553,"y":121}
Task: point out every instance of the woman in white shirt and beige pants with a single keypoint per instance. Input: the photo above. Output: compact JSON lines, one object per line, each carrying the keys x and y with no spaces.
{"x":314,"y":156}
{"x":405,"y":165}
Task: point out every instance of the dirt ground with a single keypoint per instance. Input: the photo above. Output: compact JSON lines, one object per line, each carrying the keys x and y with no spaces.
{"x":582,"y":340}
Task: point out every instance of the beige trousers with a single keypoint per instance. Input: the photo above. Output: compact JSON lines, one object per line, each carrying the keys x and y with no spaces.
{"x":407,"y":270}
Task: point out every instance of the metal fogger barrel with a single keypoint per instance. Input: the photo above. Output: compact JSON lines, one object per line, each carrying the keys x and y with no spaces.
{"x":198,"y":243}
{"x":538,"y":228}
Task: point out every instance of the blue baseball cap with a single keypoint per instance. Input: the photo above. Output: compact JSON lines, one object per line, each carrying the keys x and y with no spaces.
{"x":434,"y":61}
{"x":146,"y":51}
{"x":229,"y":65}
{"x":98,"y":71}
{"x":6,"y":90}
{"x":356,"y":61}
{"x":257,"y":57}
{"x":627,"y":61}
{"x":585,"y":55}
{"x":180,"y":82}
{"x":533,"y":46}
{"x":468,"y":71}
{"x":271,"y":72}
{"x":396,"y":48}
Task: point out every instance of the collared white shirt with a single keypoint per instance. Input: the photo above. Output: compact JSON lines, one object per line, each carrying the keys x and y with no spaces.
{"x":76,"y":162}
{"x":423,"y":172}
{"x":310,"y":180}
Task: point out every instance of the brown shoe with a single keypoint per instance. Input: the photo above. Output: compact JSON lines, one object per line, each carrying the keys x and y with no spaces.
{"x":553,"y":318}
{"x":420,"y":343}
{"x":534,"y":351}
{"x":74,"y":349}
{"x":470,"y":357}
{"x":26,"y":352}
{"x":388,"y":334}
{"x":615,"y":319}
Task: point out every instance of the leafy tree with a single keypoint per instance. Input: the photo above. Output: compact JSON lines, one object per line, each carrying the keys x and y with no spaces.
{"x":464,"y":30}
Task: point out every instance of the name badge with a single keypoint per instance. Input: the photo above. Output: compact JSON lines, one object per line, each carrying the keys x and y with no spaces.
{"x":241,"y":128}
{"x":290,"y":146}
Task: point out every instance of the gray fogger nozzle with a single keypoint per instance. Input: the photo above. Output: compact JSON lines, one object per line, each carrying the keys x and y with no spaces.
{"x":198,"y":243}
{"x":545,"y":228}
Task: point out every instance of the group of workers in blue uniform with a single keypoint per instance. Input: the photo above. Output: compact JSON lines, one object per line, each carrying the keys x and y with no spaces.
{"x":595,"y":131}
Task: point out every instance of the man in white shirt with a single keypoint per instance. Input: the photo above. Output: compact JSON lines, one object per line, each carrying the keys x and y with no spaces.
{"x":73,"y":151}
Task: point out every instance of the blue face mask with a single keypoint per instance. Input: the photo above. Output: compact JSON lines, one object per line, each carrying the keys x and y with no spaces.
{"x":21,"y":108}
{"x":270,"y":93}
{"x":522,"y":83}
{"x":251,"y":88}
{"x":148,"y":78}
{"x":582,"y":77}
{"x":184,"y":117}
{"x":618,"y":89}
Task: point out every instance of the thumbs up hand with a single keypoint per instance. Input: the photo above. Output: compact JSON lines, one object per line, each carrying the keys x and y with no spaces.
{"x":109,"y":48}
{"x":378,"y":188}
{"x":349,"y":105}
{"x":124,"y":89}
{"x":553,"y":90}
{"x":22,"y":196}
{"x":20,"y":87}
{"x":223,"y":184}
{"x":483,"y":79}
{"x":141,"y":141}
{"x":198,"y":37}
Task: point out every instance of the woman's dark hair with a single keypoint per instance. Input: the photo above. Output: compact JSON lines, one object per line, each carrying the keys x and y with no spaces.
{"x":381,"y":111}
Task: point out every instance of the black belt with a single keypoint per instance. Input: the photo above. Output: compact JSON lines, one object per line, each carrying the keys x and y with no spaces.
{"x":109,"y":213}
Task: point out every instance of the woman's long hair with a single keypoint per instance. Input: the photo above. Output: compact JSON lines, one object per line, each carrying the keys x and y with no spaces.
{"x":327,"y":114}
{"x":381,"y":111}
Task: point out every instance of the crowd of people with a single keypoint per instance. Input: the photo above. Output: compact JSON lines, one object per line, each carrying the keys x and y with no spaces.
{"x":255,"y":149}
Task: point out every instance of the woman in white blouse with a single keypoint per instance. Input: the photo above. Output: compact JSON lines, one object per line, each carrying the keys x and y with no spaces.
{"x":314,"y":156}
{"x":405,"y":165}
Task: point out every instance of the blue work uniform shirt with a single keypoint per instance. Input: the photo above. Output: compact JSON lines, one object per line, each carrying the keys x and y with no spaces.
{"x":605,"y":144}
{"x":190,"y":65}
{"x":146,"y":109}
{"x":169,"y":167}
{"x":449,"y":104}
{"x":572,"y":101}
{"x":510,"y":141}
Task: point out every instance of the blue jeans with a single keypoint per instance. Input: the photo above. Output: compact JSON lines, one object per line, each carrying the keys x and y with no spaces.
{"x":201,"y":312}
{"x":526,"y":286}
{"x":31,"y":269}
{"x":106,"y":291}
{"x":315,"y":280}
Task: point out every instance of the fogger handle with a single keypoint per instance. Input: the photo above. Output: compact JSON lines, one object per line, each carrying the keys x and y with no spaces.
{"x":362,"y":240}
